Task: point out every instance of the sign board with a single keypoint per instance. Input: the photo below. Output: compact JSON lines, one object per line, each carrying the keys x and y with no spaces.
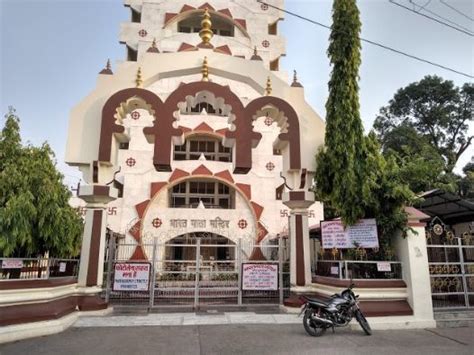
{"x":259,"y":276}
{"x":12,"y":264}
{"x":62,"y":267}
{"x":384,"y":266}
{"x":131,"y":276}
{"x":334,"y":270}
{"x":362,"y":234}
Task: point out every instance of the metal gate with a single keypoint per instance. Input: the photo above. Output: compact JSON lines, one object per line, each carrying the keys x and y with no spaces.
{"x":451,"y":265}
{"x":190,"y":275}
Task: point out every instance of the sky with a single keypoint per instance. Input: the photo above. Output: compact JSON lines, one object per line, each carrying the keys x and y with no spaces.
{"x":52,"y":50}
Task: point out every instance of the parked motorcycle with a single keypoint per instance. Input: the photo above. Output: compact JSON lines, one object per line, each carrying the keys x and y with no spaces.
{"x":338,"y":311}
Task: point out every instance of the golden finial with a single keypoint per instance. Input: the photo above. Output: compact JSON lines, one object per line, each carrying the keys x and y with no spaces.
{"x":107,"y":69}
{"x":295,"y":82}
{"x":153,"y":48}
{"x":206,"y":28}
{"x":205,"y":70}
{"x":255,"y":50}
{"x":153,"y":44}
{"x":268,"y":89}
{"x":139,"y":80}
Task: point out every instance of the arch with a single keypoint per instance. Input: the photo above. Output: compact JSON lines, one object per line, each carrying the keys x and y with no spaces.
{"x":243,"y":142}
{"x":291,"y":128}
{"x":117,"y":106}
{"x":191,"y":12}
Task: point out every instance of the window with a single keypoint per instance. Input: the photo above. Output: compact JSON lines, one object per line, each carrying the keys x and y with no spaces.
{"x":204,"y":106}
{"x":124,"y":146}
{"x":212,"y":149}
{"x":136,"y":16}
{"x":131,"y":54}
{"x":273,"y":29}
{"x":212,"y":194}
{"x":275,"y":65}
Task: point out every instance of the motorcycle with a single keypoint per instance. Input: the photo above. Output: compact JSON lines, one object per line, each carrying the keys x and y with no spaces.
{"x":338,"y":311}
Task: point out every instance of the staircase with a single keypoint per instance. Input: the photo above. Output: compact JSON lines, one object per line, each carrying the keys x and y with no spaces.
{"x":454,"y":318}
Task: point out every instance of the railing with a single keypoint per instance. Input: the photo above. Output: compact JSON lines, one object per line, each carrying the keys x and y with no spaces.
{"x":37,"y":268}
{"x":360,"y":270}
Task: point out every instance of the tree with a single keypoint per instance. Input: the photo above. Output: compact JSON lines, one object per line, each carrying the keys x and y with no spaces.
{"x":340,"y":170}
{"x":35,"y":216}
{"x":466,"y":183}
{"x":432,"y":111}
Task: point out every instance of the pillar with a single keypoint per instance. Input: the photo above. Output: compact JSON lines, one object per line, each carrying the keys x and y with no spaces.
{"x":300,"y":253}
{"x":91,"y":267}
{"x":412,"y":252}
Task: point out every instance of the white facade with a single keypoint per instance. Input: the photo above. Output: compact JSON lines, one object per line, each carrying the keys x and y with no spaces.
{"x":256,"y":216}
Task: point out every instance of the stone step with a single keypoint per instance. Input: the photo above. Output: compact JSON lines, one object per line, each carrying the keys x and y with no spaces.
{"x":454,"y":315}
{"x":455,"y":323}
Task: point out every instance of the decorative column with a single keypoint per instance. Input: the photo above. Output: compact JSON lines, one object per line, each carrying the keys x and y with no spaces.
{"x":91,"y":268}
{"x":300,"y":257}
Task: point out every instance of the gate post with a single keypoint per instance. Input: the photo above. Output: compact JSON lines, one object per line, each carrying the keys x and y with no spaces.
{"x":198,"y":265}
{"x":280,"y":268}
{"x":153,"y":275}
{"x":239,"y":271}
{"x":300,"y":263}
{"x":110,"y":261}
{"x":463,"y":272}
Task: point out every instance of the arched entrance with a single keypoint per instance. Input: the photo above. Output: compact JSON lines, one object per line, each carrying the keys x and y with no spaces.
{"x":215,"y":249}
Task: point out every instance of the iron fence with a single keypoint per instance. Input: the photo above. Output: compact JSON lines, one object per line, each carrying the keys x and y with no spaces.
{"x":37,"y":268}
{"x":360,"y":270}
{"x":191,"y":274}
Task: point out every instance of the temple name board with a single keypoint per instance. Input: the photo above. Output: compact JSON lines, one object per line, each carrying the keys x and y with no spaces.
{"x":363,"y":234}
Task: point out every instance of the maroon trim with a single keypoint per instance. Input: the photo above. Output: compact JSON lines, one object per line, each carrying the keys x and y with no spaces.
{"x":293,"y":134}
{"x":163,"y":130}
{"x":21,"y":284}
{"x":297,"y":195}
{"x":416,"y":224}
{"x":35,"y":312}
{"x":101,"y":190}
{"x":300,"y":272}
{"x":94,"y":251}
{"x":329,"y":281}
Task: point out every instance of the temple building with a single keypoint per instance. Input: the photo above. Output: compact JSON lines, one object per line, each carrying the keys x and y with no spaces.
{"x":200,"y":130}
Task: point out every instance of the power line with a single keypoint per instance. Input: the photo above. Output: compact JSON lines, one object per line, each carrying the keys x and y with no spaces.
{"x":456,"y":10}
{"x":369,"y":41}
{"x":459,"y":28}
{"x":439,"y":16}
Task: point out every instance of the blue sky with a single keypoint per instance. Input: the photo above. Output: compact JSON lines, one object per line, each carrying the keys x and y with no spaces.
{"x":52,"y":50}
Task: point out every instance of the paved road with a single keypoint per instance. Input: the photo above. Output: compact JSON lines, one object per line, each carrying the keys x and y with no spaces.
{"x":243,"y":339}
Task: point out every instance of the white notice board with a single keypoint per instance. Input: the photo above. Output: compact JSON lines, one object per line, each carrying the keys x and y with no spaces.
{"x":259,"y":276}
{"x":364,"y":234}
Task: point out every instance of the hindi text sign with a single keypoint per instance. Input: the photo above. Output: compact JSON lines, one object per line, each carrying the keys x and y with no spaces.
{"x":131,"y":276}
{"x":362,"y":234}
{"x":259,"y":276}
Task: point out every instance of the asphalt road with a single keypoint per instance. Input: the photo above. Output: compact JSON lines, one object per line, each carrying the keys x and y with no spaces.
{"x":243,"y":339}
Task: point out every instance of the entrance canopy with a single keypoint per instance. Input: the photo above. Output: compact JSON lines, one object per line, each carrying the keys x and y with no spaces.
{"x":449,"y":207}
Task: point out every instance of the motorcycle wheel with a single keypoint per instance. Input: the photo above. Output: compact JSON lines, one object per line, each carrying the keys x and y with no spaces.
{"x":311,"y":327}
{"x":363,"y":322}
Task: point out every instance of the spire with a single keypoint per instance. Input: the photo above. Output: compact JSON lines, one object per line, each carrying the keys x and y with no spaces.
{"x":108,"y":69}
{"x":255,"y":55}
{"x":268,"y":89}
{"x":139,"y":80}
{"x":295,"y":82}
{"x":153,"y":48}
{"x":206,"y":30}
{"x":205,"y":70}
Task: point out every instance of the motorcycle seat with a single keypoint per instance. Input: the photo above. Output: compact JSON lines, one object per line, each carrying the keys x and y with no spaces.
{"x":317,"y":302}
